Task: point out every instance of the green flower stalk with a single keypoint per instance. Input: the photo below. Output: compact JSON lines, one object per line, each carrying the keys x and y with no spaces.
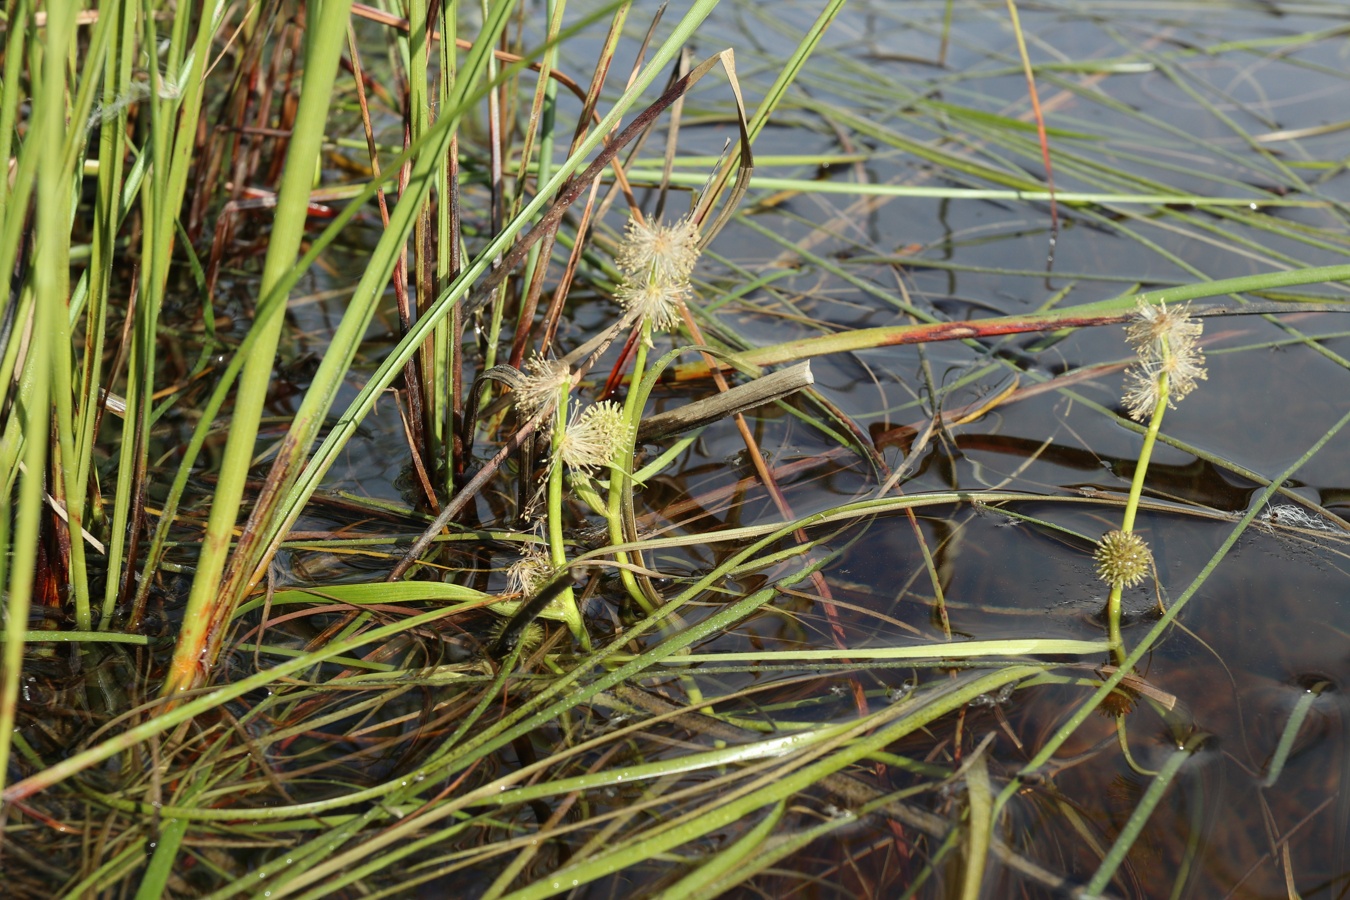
{"x":656,"y":261}
{"x":583,"y":441}
{"x":1170,"y":363}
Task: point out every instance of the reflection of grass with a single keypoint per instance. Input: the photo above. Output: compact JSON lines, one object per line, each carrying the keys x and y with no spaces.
{"x":744,"y":680}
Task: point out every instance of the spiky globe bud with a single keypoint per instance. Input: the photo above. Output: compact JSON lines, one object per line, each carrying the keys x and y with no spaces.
{"x":1122,"y":558}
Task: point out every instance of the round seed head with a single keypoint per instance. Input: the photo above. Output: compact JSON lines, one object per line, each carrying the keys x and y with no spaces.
{"x":1122,"y":558}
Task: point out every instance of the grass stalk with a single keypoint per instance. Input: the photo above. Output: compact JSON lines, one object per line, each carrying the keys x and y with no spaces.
{"x":49,"y":281}
{"x":620,"y":481}
{"x":322,"y":49}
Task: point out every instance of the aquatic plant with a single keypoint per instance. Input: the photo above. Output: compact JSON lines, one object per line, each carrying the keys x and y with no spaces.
{"x":403,"y":491}
{"x":1168,"y":362}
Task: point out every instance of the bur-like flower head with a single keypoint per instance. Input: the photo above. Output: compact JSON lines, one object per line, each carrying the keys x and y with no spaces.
{"x":593,"y":435}
{"x":1123,"y":558}
{"x":659,"y":253}
{"x":1166,"y":341}
{"x":656,"y":261}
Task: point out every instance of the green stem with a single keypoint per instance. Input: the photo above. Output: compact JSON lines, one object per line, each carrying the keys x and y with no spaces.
{"x":557,"y":549}
{"x":324,"y":46}
{"x":619,"y":469}
{"x":1113,"y":605}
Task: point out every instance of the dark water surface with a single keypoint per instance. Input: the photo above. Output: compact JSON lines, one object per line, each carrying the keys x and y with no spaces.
{"x":1273,"y":621}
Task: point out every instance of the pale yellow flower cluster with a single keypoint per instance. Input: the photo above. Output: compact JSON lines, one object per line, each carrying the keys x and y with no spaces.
{"x":656,"y":261}
{"x":593,"y":435}
{"x":1167,"y":342}
{"x":542,"y":382}
{"x":531,"y":572}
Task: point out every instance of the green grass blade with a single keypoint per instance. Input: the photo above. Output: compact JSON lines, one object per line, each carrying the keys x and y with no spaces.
{"x":323,"y":46}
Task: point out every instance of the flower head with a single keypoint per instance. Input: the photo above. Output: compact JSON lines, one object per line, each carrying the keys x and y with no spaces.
{"x":1166,"y":341}
{"x":1153,"y":325}
{"x":657,"y":261}
{"x":528,"y":639}
{"x":656,"y":302}
{"x":541,"y":384}
{"x":660,"y":253}
{"x":1122,"y":558}
{"x":531,"y":572}
{"x":593,"y":435}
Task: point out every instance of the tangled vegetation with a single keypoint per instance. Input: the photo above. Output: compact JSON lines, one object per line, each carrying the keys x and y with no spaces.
{"x":411,"y":486}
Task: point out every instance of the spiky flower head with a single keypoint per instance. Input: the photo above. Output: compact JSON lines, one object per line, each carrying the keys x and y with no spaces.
{"x":659,"y":253}
{"x":531,"y":572}
{"x":657,"y":302}
{"x":542,"y":383}
{"x":593,"y":435}
{"x":1166,"y":341}
{"x":1123,"y":558}
{"x":1144,"y":381}
{"x":1154,"y":324}
{"x":529,"y":638}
